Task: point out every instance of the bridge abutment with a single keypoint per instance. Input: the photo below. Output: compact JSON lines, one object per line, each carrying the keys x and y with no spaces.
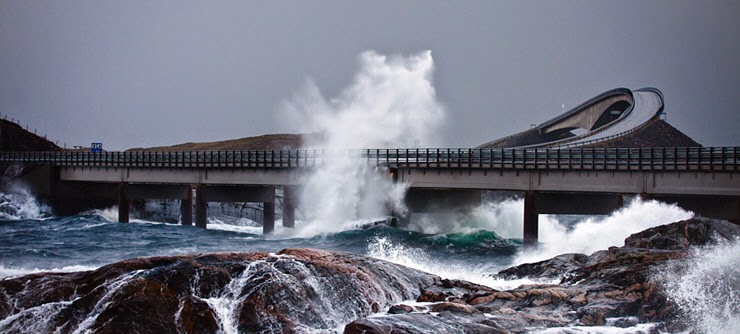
{"x":186,"y":209}
{"x":124,"y":204}
{"x":531,"y":219}
{"x":268,"y":217}
{"x":289,"y":201}
{"x":201,"y":207}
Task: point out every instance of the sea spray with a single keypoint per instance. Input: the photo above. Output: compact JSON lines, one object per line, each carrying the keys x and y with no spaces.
{"x":17,"y":202}
{"x":706,"y":288}
{"x":472,"y":270}
{"x":556,"y":237}
{"x":391,"y":102}
{"x":504,"y":217}
{"x":599,"y":232}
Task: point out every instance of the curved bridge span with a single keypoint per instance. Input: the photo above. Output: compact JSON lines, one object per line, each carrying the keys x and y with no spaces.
{"x":607,"y":116}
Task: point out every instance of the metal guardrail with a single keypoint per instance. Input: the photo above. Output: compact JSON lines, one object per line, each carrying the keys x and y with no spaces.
{"x":667,"y":158}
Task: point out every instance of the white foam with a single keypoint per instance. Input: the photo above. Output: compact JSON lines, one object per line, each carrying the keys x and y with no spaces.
{"x":600,"y":232}
{"x":21,"y":271}
{"x":18,"y":203}
{"x":385,"y":249}
{"x":213,"y":225}
{"x":505,"y":218}
{"x":707,"y":289}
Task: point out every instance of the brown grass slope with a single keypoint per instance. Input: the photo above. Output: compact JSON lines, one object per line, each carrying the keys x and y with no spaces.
{"x":264,"y":142}
{"x":14,"y":138}
{"x":657,"y":133}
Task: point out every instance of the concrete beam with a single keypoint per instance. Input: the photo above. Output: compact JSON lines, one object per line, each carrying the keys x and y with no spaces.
{"x":239,"y":194}
{"x":577,"y":203}
{"x":215,"y":176}
{"x":695,"y":183}
{"x":441,"y":200}
{"x":158,"y":191}
{"x":718,"y":207}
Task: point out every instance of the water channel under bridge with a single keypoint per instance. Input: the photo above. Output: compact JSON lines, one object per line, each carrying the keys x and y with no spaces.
{"x":705,"y":180}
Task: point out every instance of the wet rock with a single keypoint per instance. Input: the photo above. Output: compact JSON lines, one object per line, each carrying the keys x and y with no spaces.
{"x":552,"y":268}
{"x":196,"y":316}
{"x":454,"y":308}
{"x":296,"y":290}
{"x":400,"y":309}
{"x":444,"y":323}
{"x":681,"y":235}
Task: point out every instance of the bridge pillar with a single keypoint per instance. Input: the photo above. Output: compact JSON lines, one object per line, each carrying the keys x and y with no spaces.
{"x":288,"y":207}
{"x":186,"y":209}
{"x":268,"y":217}
{"x":123,"y":203}
{"x":201,"y":207}
{"x":531,"y":222}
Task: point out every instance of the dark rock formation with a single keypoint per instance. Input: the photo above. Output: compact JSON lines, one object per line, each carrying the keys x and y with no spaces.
{"x":622,"y":282}
{"x":293,"y":291}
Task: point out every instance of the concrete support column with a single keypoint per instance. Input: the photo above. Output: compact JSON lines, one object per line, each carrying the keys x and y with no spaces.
{"x":201,"y":207}
{"x":288,"y":207}
{"x":123,"y":203}
{"x":186,"y":209}
{"x":531,"y":223}
{"x":268,"y":218}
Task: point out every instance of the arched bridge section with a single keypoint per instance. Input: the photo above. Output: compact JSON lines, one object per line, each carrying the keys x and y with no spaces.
{"x":609,"y":115}
{"x":592,"y":114}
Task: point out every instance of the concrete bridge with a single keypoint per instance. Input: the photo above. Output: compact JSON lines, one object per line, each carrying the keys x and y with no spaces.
{"x":552,"y":181}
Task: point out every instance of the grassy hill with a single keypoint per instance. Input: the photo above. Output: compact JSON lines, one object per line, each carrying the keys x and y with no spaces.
{"x":264,"y":142}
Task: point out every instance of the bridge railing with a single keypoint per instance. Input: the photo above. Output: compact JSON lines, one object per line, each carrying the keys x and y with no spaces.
{"x":667,"y":158}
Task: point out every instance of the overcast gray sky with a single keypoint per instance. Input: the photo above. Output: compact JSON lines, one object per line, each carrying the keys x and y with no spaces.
{"x":150,"y":73}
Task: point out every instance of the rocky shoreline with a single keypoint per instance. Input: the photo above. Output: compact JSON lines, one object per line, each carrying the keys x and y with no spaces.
{"x":308,"y":290}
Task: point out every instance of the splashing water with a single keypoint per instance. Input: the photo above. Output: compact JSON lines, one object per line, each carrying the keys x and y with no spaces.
{"x":226,"y":305}
{"x":18,"y":203}
{"x":707,"y":288}
{"x":391,"y":102}
{"x":597,"y":233}
{"x":505,"y":218}
{"x":385,"y":249}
